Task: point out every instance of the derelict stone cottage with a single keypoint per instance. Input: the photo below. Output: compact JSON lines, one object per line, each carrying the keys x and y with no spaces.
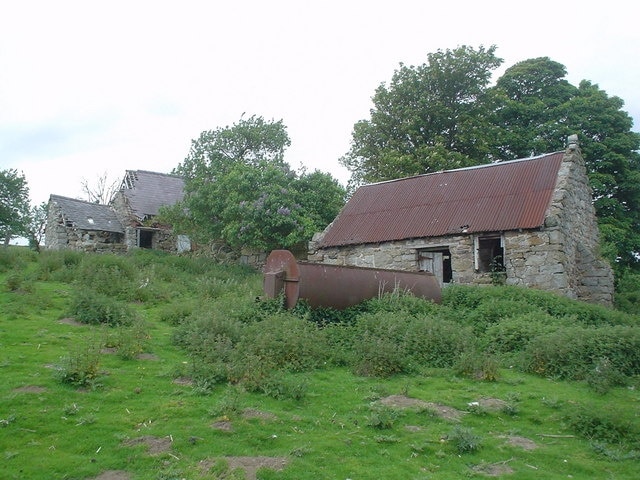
{"x":531,"y":220}
{"x":126,"y":223}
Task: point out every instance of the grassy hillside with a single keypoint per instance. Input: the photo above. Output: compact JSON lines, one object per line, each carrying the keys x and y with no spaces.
{"x":153,"y":366}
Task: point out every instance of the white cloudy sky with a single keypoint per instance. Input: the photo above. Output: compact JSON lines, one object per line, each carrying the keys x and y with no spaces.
{"x":88,"y":87}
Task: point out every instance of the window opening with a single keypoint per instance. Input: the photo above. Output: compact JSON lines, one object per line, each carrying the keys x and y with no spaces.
{"x":489,"y":253}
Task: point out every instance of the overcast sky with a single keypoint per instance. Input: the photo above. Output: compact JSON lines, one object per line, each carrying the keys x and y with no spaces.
{"x":89,"y":87}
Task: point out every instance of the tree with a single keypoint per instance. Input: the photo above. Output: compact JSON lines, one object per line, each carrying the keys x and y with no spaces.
{"x":239,"y":189}
{"x":102,"y":191}
{"x":429,"y":118}
{"x":539,"y":109}
{"x":444,"y":115}
{"x":14,"y":204}
{"x":36,"y":225}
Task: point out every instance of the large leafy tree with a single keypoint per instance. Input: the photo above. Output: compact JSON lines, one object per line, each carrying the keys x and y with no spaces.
{"x":539,"y":109}
{"x":430,"y":117}
{"x":14,"y":205}
{"x":445,"y":115}
{"x":239,"y":189}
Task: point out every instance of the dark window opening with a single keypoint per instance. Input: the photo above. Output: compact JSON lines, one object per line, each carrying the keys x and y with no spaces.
{"x":145,"y":239}
{"x":490,"y":255}
{"x":438,"y":262}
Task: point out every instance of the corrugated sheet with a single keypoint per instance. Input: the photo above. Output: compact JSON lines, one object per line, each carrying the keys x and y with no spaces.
{"x":88,"y":216}
{"x":489,"y":198}
{"x":148,"y":191}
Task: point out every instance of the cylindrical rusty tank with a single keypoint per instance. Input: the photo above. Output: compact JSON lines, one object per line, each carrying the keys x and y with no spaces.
{"x":339,"y":287}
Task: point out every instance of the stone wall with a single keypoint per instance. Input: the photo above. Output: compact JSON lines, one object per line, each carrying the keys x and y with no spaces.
{"x":59,"y":235}
{"x":562,"y":256}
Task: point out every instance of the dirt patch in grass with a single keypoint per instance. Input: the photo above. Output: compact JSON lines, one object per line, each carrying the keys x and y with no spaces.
{"x":72,"y":321}
{"x":250,"y":413}
{"x":155,"y":445}
{"x":223,"y":425}
{"x":30,"y":389}
{"x":493,"y":469}
{"x":250,"y":465}
{"x":492,"y":404}
{"x":521,"y":442}
{"x":184,"y":381}
{"x":402,"y":401}
{"x":147,"y":356}
{"x":112,"y":475}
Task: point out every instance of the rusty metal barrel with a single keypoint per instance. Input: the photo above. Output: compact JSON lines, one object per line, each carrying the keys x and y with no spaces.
{"x":339,"y":287}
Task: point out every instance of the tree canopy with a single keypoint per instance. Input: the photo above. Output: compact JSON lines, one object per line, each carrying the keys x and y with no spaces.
{"x":445,"y":115}
{"x":14,"y":205}
{"x":239,"y":189}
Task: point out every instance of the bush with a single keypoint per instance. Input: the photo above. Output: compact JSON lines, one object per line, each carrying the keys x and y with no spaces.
{"x":598,"y":424}
{"x":477,"y":365}
{"x":572,"y":352}
{"x":80,"y":367}
{"x":512,"y":335}
{"x":91,"y":307}
{"x":109,"y":275}
{"x":378,"y":345}
{"x":464,"y":440}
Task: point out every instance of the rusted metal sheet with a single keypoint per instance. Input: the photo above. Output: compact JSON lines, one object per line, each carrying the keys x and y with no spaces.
{"x":488,"y":198}
{"x":339,"y":286}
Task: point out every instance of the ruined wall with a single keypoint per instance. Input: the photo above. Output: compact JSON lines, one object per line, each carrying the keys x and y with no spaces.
{"x":561,"y":257}
{"x":61,"y":235}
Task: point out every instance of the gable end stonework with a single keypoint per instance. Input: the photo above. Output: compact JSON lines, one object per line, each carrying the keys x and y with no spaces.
{"x":557,"y":250}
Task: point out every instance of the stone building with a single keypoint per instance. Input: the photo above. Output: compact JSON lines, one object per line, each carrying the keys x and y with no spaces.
{"x":522,"y":222}
{"x":126,"y":223}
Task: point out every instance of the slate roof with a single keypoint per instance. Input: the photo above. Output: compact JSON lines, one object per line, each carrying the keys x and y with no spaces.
{"x":147,"y":191}
{"x":87,"y":215}
{"x":488,"y":198}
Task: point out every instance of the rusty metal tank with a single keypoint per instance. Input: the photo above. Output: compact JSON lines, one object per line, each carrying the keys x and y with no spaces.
{"x":339,"y":287}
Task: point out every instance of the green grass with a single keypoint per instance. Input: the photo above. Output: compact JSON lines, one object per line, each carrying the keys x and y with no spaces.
{"x":336,"y":429}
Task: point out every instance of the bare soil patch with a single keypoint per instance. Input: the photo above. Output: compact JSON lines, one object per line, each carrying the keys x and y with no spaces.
{"x":147,"y":356}
{"x":72,"y":321}
{"x":250,"y":413}
{"x":223,"y":425}
{"x":493,"y":469}
{"x":30,"y":389}
{"x":492,"y":404}
{"x":250,"y":465}
{"x":155,"y":445}
{"x":402,"y":401}
{"x":521,"y":442}
{"x":184,"y":381}
{"x":112,"y":475}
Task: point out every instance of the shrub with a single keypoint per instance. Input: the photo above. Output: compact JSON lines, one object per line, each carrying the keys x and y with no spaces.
{"x":571,"y":352}
{"x":382,"y":417}
{"x":435,"y":342}
{"x":378,"y":344}
{"x":597,"y":424}
{"x":477,"y":365}
{"x":285,"y":342}
{"x":91,"y":307}
{"x":80,"y":367}
{"x":513,"y":334}
{"x":59,"y":265}
{"x":464,"y":440}
{"x":110,"y":275}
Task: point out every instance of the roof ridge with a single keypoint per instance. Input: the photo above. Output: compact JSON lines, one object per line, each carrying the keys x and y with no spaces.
{"x":78,"y":200}
{"x":472,"y":167}
{"x":156,"y":173}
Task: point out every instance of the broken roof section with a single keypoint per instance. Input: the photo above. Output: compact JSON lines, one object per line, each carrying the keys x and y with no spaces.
{"x":147,"y":191}
{"x":487,"y":198}
{"x":86,"y":215}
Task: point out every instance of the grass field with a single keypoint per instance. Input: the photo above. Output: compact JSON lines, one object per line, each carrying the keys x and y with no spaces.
{"x":129,"y":397}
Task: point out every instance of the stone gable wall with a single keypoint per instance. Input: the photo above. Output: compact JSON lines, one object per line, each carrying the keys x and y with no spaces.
{"x":561,"y":257}
{"x":59,"y":235}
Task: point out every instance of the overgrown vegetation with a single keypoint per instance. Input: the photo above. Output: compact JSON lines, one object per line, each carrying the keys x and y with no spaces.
{"x":98,"y":351}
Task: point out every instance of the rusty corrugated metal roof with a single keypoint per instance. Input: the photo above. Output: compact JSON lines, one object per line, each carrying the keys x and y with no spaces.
{"x":488,"y":198}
